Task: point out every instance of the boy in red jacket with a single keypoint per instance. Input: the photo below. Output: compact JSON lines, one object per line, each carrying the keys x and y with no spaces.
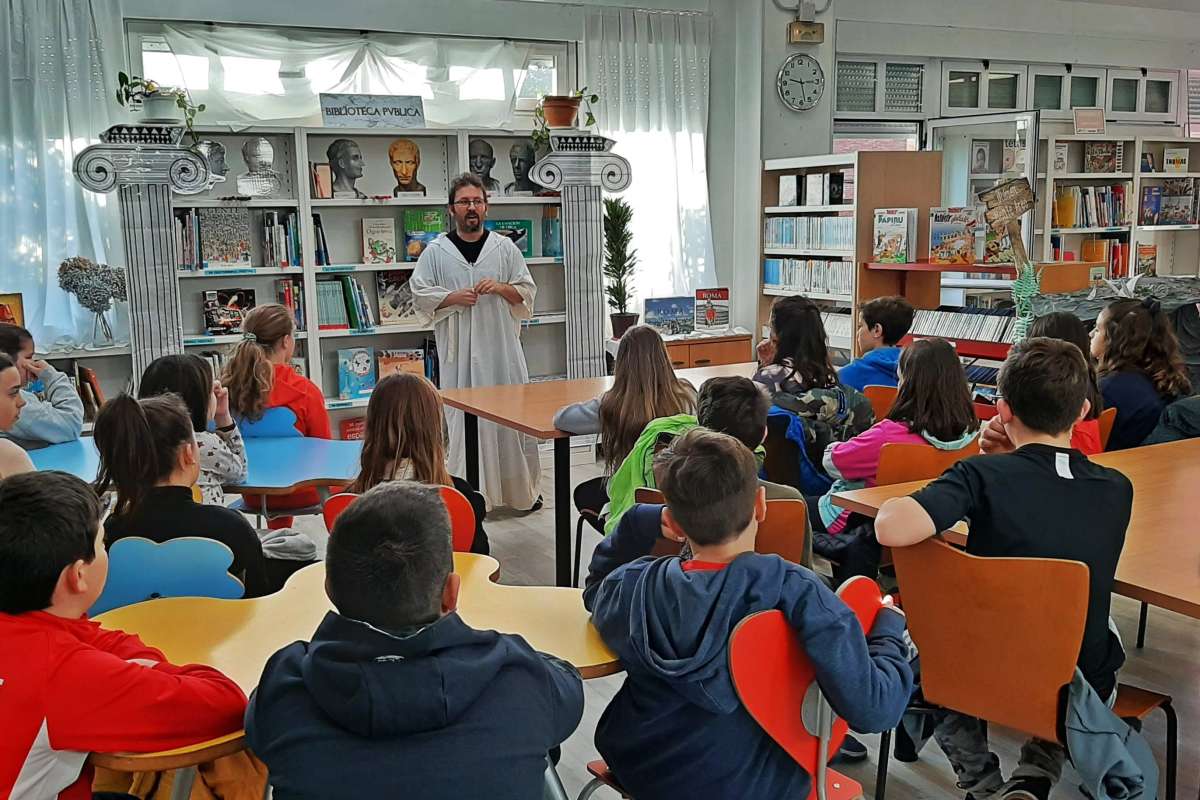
{"x":67,"y":686}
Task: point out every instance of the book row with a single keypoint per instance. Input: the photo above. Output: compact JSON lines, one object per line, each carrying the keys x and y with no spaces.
{"x":817,"y":233}
{"x":221,"y":237}
{"x":1172,"y":203}
{"x":800,"y":275}
{"x":816,"y":189}
{"x":979,"y":327}
{"x":360,"y":368}
{"x":957,"y":235}
{"x":1091,"y":206}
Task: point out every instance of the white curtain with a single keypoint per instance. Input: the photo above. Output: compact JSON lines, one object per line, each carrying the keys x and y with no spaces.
{"x":651,"y":72}
{"x":58,"y":66}
{"x":249,"y":75}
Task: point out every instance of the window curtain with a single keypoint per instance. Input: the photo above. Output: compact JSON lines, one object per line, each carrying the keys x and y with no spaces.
{"x":250,"y":76}
{"x":651,"y":72}
{"x":58,"y":65}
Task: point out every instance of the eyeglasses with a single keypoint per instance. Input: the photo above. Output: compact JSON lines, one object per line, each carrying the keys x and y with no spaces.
{"x":472,"y":203}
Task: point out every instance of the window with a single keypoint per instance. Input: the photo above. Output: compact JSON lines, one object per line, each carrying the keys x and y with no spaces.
{"x":856,"y":86}
{"x":853,"y":137}
{"x":875,"y":88}
{"x":262,"y":75}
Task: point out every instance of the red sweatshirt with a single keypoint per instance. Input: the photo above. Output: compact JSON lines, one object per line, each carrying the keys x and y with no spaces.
{"x":69,"y":687}
{"x":301,"y":396}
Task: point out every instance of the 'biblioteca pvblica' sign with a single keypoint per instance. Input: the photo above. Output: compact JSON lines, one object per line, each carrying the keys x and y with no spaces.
{"x":372,"y":111}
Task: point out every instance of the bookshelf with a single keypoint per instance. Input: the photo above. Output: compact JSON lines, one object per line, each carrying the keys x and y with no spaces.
{"x":825,"y":274}
{"x":1176,"y":244}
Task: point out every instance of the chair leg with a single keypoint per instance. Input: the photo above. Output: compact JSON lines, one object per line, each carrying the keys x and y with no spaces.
{"x":885,"y":747}
{"x":552,"y":788}
{"x":1172,"y":748}
{"x":1141,"y":638}
{"x":590,"y":789}
{"x":578,"y":546}
{"x":181,"y":784}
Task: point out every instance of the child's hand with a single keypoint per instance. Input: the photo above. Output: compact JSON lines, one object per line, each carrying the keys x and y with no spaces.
{"x":222,"y":416}
{"x":766,"y":352}
{"x":993,"y":438}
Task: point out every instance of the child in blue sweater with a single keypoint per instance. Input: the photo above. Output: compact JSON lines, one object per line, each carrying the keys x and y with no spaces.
{"x":882,"y":323}
{"x":676,"y":727}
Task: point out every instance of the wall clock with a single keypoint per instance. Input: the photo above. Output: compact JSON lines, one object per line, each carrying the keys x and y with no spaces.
{"x":801,"y":82}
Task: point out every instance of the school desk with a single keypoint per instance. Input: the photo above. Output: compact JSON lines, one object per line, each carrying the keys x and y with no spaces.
{"x":275,"y":465}
{"x":1160,"y":563}
{"x":530,"y":409}
{"x":238,"y":636}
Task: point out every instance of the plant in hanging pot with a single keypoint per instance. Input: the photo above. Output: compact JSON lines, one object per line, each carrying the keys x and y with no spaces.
{"x":558,"y":111}
{"x":159,"y":103}
{"x":619,"y":264}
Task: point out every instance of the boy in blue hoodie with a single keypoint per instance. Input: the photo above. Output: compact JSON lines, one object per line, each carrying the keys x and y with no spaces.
{"x":676,"y":727}
{"x":395,"y":696}
{"x":882,"y":323}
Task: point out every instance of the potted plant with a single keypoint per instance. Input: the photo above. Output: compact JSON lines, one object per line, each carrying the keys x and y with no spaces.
{"x":159,"y":103}
{"x":556,"y":111}
{"x":619,"y":263}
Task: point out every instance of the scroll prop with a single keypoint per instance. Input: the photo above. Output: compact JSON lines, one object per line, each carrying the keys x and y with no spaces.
{"x":1006,"y":204}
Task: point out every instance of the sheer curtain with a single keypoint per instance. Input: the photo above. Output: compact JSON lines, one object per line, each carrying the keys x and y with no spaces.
{"x":651,"y":72}
{"x":57,"y":76}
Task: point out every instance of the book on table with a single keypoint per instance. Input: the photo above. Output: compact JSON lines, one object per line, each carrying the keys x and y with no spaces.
{"x":954,"y":235}
{"x":712,"y":309}
{"x":895,"y":235}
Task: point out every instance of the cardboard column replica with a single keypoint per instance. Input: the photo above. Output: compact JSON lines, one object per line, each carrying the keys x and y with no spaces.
{"x":581,"y":165}
{"x":145,"y":163}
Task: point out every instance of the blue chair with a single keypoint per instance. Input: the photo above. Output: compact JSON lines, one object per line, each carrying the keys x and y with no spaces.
{"x":190,"y":566}
{"x":275,"y":423}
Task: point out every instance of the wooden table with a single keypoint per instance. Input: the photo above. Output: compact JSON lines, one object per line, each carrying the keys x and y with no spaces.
{"x":238,"y":636}
{"x":1160,"y":563}
{"x":530,"y":409}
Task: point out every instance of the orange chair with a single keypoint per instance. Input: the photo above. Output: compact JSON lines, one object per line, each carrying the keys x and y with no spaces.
{"x":1019,"y":685}
{"x":462,"y":516}
{"x":901,"y":463}
{"x":882,"y":399}
{"x":1106,"y":419}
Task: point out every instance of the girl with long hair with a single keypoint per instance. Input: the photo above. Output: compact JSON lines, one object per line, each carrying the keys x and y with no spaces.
{"x":13,"y":459}
{"x":148,"y":455}
{"x":1141,"y":369}
{"x":260,"y":377}
{"x":404,"y":439}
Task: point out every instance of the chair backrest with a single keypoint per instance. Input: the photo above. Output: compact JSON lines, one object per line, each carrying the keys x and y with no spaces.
{"x":985,"y":411}
{"x":645,"y":494}
{"x":462,"y":515}
{"x":276,"y":422}
{"x":190,"y":566}
{"x":782,"y":463}
{"x":998,"y":637}
{"x":882,"y":399}
{"x":900,"y":463}
{"x":1105,"y":422}
{"x":776,"y":682}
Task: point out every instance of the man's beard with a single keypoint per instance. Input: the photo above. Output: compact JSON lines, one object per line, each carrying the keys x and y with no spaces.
{"x":471,"y":224}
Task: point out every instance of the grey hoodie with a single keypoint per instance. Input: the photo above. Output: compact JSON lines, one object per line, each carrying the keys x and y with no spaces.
{"x":51,"y":416}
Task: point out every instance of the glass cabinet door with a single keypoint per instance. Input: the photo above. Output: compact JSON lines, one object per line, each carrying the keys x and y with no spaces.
{"x":1047,"y":92}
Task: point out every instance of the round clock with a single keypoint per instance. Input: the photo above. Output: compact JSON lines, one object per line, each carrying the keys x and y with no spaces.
{"x":800,"y":82}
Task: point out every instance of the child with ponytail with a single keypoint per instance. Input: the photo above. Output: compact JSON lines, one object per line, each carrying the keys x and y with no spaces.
{"x":1141,"y":369}
{"x":148,"y":454}
{"x":259,"y":377}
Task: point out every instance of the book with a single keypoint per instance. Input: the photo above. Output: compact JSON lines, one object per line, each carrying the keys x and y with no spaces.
{"x":670,"y":316}
{"x":953,"y":235}
{"x":520,"y":231}
{"x":814,"y":189}
{"x":1147,"y":259}
{"x":789,"y":194}
{"x":289,"y":293}
{"x":712,"y":309}
{"x":895,"y":235}
{"x":1099,"y":156}
{"x":1151,"y":205}
{"x":1147,"y":162}
{"x":378,"y":240}
{"x":321,"y":244}
{"x":356,"y":372}
{"x":353,"y":428}
{"x":421,"y":226}
{"x":1178,"y":202}
{"x":1060,"y":156}
{"x":331,"y":307}
{"x":225,"y":241}
{"x":1175,"y":159}
{"x":322,"y":181}
{"x":835,"y":183}
{"x":997,"y":247}
{"x":981,"y":157}
{"x":300,"y":365}
{"x":224,"y":310}
{"x":395,"y":298}
{"x":395,"y":362}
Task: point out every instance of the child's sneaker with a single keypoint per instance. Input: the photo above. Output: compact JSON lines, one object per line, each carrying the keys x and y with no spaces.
{"x":985,"y":788}
{"x":1027,"y":789}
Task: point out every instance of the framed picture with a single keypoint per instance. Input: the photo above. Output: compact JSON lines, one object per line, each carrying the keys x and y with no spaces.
{"x":981,"y":156}
{"x":12,"y":309}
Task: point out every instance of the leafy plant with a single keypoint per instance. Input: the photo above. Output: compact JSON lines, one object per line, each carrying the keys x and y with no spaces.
{"x":134,"y":89}
{"x":541,"y":133}
{"x":619,"y":260}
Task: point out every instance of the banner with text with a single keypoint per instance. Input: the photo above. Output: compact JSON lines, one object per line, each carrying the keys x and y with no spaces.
{"x":372,"y":111}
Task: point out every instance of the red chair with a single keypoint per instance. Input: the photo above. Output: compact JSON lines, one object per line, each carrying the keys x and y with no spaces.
{"x":462,"y":516}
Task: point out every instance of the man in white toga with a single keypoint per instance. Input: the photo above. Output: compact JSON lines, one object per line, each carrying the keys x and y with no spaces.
{"x":474,"y":287}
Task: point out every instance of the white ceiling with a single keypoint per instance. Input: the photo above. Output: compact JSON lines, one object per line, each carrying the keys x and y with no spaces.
{"x":1166,"y":5}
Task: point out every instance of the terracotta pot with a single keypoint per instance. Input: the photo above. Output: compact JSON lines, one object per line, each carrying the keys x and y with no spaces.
{"x":622,"y":323}
{"x":560,"y":110}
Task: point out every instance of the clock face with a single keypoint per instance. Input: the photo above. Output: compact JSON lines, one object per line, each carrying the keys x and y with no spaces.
{"x":801,"y":82}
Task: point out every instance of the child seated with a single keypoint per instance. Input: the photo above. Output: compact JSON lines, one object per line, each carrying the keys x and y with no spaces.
{"x":148,"y":454}
{"x":69,"y":686}
{"x":53,"y":411}
{"x":12,"y":401}
{"x":882,"y":323}
{"x":1141,"y":369}
{"x":395,"y":695}
{"x":676,"y":727}
{"x":1043,"y":500}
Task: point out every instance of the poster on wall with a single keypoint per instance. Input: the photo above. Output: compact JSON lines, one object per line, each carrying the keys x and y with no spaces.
{"x":372,"y":111}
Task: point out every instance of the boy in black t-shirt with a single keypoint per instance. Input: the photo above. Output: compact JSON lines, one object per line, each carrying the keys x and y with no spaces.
{"x":1042,"y":500}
